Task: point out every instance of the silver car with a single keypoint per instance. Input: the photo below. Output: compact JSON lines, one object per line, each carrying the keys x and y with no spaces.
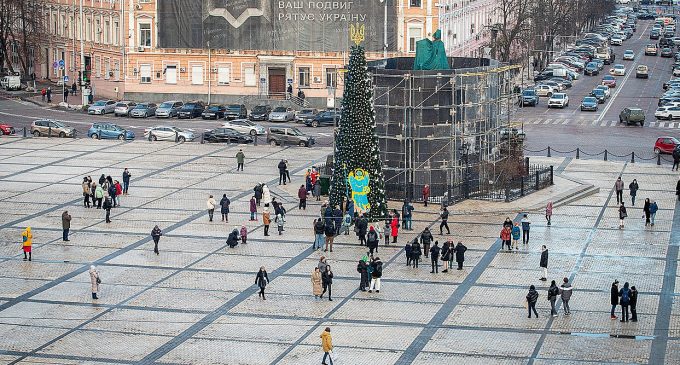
{"x":143,"y":110}
{"x":169,"y":109}
{"x":245,"y":126}
{"x":169,"y":133}
{"x":102,"y":107}
{"x":123,"y":108}
{"x":282,"y":114}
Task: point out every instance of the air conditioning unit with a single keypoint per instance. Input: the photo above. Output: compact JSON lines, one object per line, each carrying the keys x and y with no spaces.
{"x":214,"y":70}
{"x":182,"y":69}
{"x":140,"y":49}
{"x":134,"y":70}
{"x":138,"y":6}
{"x":317,"y":79}
{"x":110,"y":73}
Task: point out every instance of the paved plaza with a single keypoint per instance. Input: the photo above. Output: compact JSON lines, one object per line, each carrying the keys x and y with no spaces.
{"x":196,"y":302}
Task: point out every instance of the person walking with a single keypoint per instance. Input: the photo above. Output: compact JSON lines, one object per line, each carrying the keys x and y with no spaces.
{"x":211,"y":204}
{"x":387,"y":230}
{"x":244,"y":234}
{"x":86,"y":192}
{"x":319,"y":230}
{"x":362,"y":269}
{"x":126,"y":180}
{"x":566,"y":290}
{"x":27,"y":243}
{"x":119,"y":191}
{"x":65,"y":96}
{"x":329,"y":230}
{"x":506,"y":235}
{"x":74,"y":89}
{"x":316,"y":283}
{"x":261,"y":280}
{"x":327,"y":282}
{"x":676,"y":158}
{"x":282,"y":172}
{"x":645,"y":210}
{"x":224,"y":208}
{"x":426,"y":238}
{"x":444,"y":215}
{"x":653,"y":208}
{"x":416,"y":252}
{"x":107,"y":206}
{"x":253,"y":208}
{"x":408,"y":250}
{"x":326,"y":346}
{"x":544,"y":262}
{"x":337,"y":218}
{"x":266,"y":221}
{"x":94,"y":281}
{"x":407,"y":214}
{"x":372,"y":240}
{"x":614,"y":298}
{"x":287,"y":171}
{"x":279,"y":223}
{"x":362,"y":228}
{"x":633,"y":303}
{"x":633,"y":187}
{"x":624,"y":294}
{"x":548,"y":212}
{"x":376,"y":274}
{"x":459,"y":250}
{"x":43,"y":94}
{"x":156,"y":235}
{"x":302,"y":195}
{"x":49,"y":94}
{"x":622,"y":215}
{"x":434,"y":257}
{"x":426,"y":194}
{"x":240,"y":159}
{"x":65,"y":225}
{"x":516,"y":232}
{"x":553,"y":291}
{"x":346,"y":223}
{"x":446,"y":255}
{"x":677,"y":189}
{"x":526,"y":226}
{"x":532,"y":298}
{"x":394,"y":228}
{"x":618,"y":186}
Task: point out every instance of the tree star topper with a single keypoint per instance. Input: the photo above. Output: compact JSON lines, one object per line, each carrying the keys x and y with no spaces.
{"x":357,"y":33}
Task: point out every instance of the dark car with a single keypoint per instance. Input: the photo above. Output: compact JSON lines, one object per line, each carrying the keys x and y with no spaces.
{"x":589,"y":103}
{"x":529,"y":97}
{"x":305,"y":114}
{"x":599,"y":95}
{"x":327,"y":117}
{"x":591,"y":69}
{"x":190,"y":110}
{"x":236,"y":111}
{"x":226,"y":135}
{"x":654,"y":35}
{"x":280,"y":136}
{"x":666,"y":52}
{"x":214,"y":112}
{"x":564,"y":82}
{"x":260,"y":112}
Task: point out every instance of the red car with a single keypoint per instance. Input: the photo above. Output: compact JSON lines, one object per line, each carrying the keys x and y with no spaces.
{"x":609,"y":81}
{"x":665,"y":144}
{"x":6,"y":129}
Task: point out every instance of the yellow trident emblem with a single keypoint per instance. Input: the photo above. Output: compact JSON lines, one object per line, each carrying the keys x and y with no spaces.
{"x":357,"y":33}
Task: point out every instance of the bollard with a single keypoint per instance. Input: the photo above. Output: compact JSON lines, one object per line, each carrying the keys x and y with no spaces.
{"x":548,"y":151}
{"x":202,"y":138}
{"x":632,"y":157}
{"x":526,"y":165}
{"x":149,"y":138}
{"x":578,"y":153}
{"x":521,"y":186}
{"x":537,"y":181}
{"x":605,"y":155}
{"x":658,"y":159}
{"x":49,"y":132}
{"x":507,"y":194}
{"x":176,"y":137}
{"x":25,"y":132}
{"x":255,"y":140}
{"x":551,"y":175}
{"x":99,"y":134}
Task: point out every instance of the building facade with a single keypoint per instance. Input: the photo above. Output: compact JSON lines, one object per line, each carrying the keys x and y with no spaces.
{"x":466,"y":26}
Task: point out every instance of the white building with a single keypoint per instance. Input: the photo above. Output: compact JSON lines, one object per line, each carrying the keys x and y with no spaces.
{"x":465,"y":25}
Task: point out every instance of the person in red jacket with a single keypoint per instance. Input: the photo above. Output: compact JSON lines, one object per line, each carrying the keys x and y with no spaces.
{"x":119,"y":191}
{"x":394,"y":228}
{"x":302,"y":194}
{"x":426,"y":194}
{"x":506,"y":235}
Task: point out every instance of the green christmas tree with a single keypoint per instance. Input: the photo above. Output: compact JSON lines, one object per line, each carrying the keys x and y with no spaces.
{"x":356,"y":144}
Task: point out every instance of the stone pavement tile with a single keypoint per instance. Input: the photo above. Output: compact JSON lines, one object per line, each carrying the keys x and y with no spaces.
{"x":600,"y":322}
{"x":673,"y":352}
{"x":602,"y":281}
{"x":88,"y":239}
{"x":531,"y":260}
{"x":52,"y":360}
{"x":287,"y":305}
{"x":7,"y":359}
{"x":509,"y":276}
{"x":302,"y":286}
{"x":255,"y":328}
{"x":422,"y":273}
{"x":200,"y":352}
{"x":172,"y":298}
{"x":540,"y":361}
{"x":358,"y":335}
{"x":235,"y":262}
{"x":474,"y":342}
{"x":603,"y":349}
{"x":14,"y":287}
{"x":203,"y":280}
{"x":485,"y":296}
{"x":599,"y":301}
{"x":590,"y":201}
{"x":36,"y":269}
{"x":149,"y":322}
{"x":161,"y":217}
{"x":625,"y":265}
{"x":110,"y":345}
{"x":496,"y":317}
{"x":257,"y":247}
{"x":75,"y":253}
{"x":145,"y":257}
{"x":20,"y":187}
{"x":569,"y":211}
{"x":427,"y":358}
{"x":81,"y":293}
{"x":27,"y":338}
{"x":377,"y":309}
{"x":416,"y":292}
{"x":308,"y":354}
{"x":125,"y":275}
{"x":48,"y":315}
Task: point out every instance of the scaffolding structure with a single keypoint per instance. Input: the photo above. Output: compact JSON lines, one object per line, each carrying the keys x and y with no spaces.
{"x":443,"y":128}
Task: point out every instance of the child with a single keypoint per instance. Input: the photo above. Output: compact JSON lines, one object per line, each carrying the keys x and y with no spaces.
{"x":387,"y":230}
{"x":253,"y":208}
{"x":409,"y":251}
{"x":516,"y":233}
{"x":279,"y":223}
{"x":244,"y":234}
{"x":346,"y":222}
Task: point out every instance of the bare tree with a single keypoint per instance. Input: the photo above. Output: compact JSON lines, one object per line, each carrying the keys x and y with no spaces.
{"x":514,"y":23}
{"x":22,"y":28}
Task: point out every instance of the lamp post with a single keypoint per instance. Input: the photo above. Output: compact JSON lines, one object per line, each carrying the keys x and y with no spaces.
{"x":82,"y":58}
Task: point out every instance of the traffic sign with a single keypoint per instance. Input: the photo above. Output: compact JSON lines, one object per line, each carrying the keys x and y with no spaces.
{"x":65,"y":78}
{"x":61,"y":63}
{"x":55,"y":64}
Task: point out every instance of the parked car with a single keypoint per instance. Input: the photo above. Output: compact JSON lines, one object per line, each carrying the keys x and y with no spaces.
{"x":236,"y":111}
{"x":47,"y":127}
{"x":564,"y":83}
{"x":506,"y":132}
{"x":190,"y":110}
{"x":589,"y":103}
{"x":591,"y":69}
{"x":106,"y":130}
{"x":282,"y":114}
{"x":616,"y":40}
{"x":169,"y":133}
{"x":214,"y":112}
{"x":169,"y":109}
{"x":6,"y":129}
{"x":654,"y":34}
{"x":226,"y":135}
{"x":244,"y":126}
{"x":651,"y":50}
{"x":529,"y":97}
{"x":667,"y":112}
{"x":676,"y":71}
{"x":642,"y":72}
{"x":260,"y":113}
{"x":304,"y":114}
{"x":632,"y":116}
{"x":143,"y":110}
{"x":326,"y":117}
{"x":618,"y":70}
{"x":102,"y":107}
{"x":545,"y":90}
{"x":11,"y":82}
{"x":560,"y":100}
{"x":628,"y":55}
{"x":606,"y":89}
{"x":288,"y":135}
{"x":666,"y":52}
{"x":123,"y":108}
{"x":665,"y":144}
{"x":609,"y":81}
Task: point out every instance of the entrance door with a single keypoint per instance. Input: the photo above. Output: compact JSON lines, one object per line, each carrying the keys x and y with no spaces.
{"x":277,"y":83}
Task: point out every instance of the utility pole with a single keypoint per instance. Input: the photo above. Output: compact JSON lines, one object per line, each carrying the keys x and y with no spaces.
{"x":82,"y":58}
{"x":385,"y":30}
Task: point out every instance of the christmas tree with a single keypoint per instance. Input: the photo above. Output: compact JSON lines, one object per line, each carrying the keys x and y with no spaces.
{"x":357,"y":169}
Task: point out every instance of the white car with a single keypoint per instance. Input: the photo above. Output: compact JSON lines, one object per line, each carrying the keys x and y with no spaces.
{"x":102,"y":107}
{"x":628,"y":55}
{"x":560,"y":100}
{"x":667,"y":112}
{"x":169,"y":133}
{"x":545,"y":90}
{"x":676,"y":71}
{"x":282,"y":114}
{"x":605,"y":88}
{"x":616,"y":40}
{"x":245,"y":126}
{"x":618,"y":70}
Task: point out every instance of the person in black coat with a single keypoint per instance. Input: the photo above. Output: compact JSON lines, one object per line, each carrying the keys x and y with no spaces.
{"x":425,"y":239}
{"x":434,"y":257}
{"x":372,"y":241}
{"x":282,"y":172}
{"x":415,"y":253}
{"x":544,"y":262}
{"x":362,"y":268}
{"x":362,"y":226}
{"x":532,"y":298}
{"x":614,"y":297}
{"x":460,"y":254}
{"x":337,"y":217}
{"x":258,"y":193}
{"x":677,"y":189}
{"x":329,"y":229}
{"x":232,"y":239}
{"x":446,"y":254}
{"x":224,"y":208}
{"x":327,"y":282}
{"x":261,"y":280}
{"x":633,"y":303}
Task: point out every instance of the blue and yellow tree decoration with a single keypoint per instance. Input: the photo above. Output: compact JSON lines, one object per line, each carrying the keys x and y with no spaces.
{"x":357,"y":173}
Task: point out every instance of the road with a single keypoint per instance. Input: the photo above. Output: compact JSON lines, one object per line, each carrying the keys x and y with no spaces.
{"x":569,"y":128}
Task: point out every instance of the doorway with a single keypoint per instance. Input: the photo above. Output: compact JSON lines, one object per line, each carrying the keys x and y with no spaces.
{"x":277,"y":82}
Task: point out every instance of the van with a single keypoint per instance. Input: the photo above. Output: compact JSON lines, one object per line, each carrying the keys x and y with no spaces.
{"x":11,"y":83}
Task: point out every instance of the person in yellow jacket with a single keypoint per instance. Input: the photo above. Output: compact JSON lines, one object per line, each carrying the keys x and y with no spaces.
{"x":27,"y":238}
{"x":327,"y":345}
{"x":266,"y":220}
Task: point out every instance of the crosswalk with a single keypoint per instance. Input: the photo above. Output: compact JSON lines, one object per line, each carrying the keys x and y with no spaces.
{"x":595,"y":123}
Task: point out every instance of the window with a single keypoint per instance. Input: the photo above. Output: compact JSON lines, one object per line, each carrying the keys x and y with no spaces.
{"x":88,"y":29}
{"x":249,"y":75}
{"x":415,"y":3}
{"x":107,"y":68}
{"x":145,"y":74}
{"x":116,"y":33}
{"x":63,"y":26}
{"x":415,"y":33}
{"x":107,"y":32}
{"x":331,"y":77}
{"x":171,"y":74}
{"x":70,"y":27}
{"x":303,"y":76}
{"x":223,"y":75}
{"x":97,"y":30}
{"x":15,"y":53}
{"x":197,"y":75}
{"x":145,"y":35}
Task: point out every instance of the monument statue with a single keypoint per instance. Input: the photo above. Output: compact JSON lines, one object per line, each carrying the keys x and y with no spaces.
{"x":430,"y":54}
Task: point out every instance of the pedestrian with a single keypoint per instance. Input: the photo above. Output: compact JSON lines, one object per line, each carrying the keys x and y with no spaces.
{"x":633,"y":187}
{"x":326,"y":345}
{"x":376,"y":274}
{"x":624,"y":293}
{"x":253,"y":208}
{"x":677,"y":189}
{"x":43,"y":94}
{"x":279,"y":223}
{"x":244,"y":234}
{"x":329,"y":230}
{"x":394,"y":228}
{"x":258,"y":193}
{"x":316,"y":190}
{"x":532,"y":298}
{"x":65,"y":95}
{"x":652,"y":212}
{"x":516,"y":233}
{"x":302,"y":195}
{"x":614,"y":298}
{"x":261,"y":280}
{"x":434,"y":257}
{"x":346,"y":223}
{"x":232,"y":238}
{"x":126,"y":180}
{"x":362,"y":228}
{"x":119,"y":191}
{"x":544,"y":263}
{"x":553,"y":291}
{"x":526,"y":225}
{"x":408,"y":249}
{"x":319,"y":229}
{"x":74,"y":89}
{"x":65,"y":225}
{"x":337,"y":217}
{"x":645,"y":210}
{"x":27,"y":243}
{"x":622,"y":215}
{"x":633,"y":304}
{"x":618,"y":186}
{"x":460,"y":254}
{"x":506,"y":234}
{"x":211,"y":203}
{"x":444,"y":215}
{"x":266,"y":220}
{"x":282,"y":172}
{"x":507,"y":222}
{"x":287,"y":170}
{"x":322,"y":264}
{"x":548,"y":212}
{"x":676,"y":158}
{"x":94,"y":281}
{"x":446,"y":255}
{"x":266,"y":195}
{"x":316,"y":283}
{"x":240,"y":159}
{"x":86,"y":192}
{"x":372,"y":240}
{"x":416,"y":252}
{"x":362,"y":269}
{"x":426,"y":194}
{"x":49,"y":94}
{"x":108,"y":204}
{"x":566,"y":290}
{"x":112,"y":194}
{"x":156,"y":235}
{"x":387,"y":230}
{"x":98,"y":194}
{"x":407,"y":214}
{"x":308,"y":181}
{"x":224,"y":208}
{"x":327,"y":282}
{"x":426,"y":238}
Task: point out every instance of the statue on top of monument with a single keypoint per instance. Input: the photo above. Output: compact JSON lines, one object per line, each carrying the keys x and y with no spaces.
{"x":431,"y":54}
